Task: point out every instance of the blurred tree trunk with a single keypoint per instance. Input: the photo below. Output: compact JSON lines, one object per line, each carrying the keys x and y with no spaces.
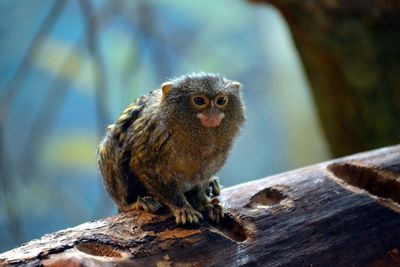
{"x":351,"y":54}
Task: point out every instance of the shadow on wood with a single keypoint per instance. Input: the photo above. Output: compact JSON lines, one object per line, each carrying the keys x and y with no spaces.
{"x":339,"y":213}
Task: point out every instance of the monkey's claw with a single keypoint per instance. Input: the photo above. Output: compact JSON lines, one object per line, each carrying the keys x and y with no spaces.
{"x":148,"y":204}
{"x":187,"y":215}
{"x":214,"y":211}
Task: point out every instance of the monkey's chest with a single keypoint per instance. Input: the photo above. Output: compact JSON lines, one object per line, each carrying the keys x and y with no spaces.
{"x":197,"y":167}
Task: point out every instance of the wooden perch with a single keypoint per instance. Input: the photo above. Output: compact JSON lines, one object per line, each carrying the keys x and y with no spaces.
{"x":339,"y":213}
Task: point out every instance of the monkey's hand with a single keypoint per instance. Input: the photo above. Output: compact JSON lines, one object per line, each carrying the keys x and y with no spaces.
{"x":186,"y":214}
{"x":214,"y":210}
{"x":211,"y":209}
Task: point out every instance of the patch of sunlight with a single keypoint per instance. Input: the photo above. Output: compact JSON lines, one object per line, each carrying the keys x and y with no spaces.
{"x":61,"y":59}
{"x":72,"y":150}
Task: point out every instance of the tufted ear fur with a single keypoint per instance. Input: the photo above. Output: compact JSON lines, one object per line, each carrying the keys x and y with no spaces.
{"x":235,"y":85}
{"x":166,"y":87}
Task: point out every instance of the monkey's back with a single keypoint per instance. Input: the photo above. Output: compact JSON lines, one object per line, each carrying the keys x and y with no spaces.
{"x":115,"y":152}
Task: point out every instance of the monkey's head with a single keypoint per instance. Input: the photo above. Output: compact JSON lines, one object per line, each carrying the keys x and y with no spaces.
{"x":204,"y":101}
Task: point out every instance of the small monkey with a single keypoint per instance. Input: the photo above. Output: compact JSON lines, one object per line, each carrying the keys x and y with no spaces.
{"x":166,"y":146}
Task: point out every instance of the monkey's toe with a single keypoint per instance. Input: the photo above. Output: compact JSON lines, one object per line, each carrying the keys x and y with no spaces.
{"x":187,"y":215}
{"x":148,"y":204}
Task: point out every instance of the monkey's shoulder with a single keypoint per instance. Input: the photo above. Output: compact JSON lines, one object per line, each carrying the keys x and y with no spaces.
{"x":138,"y":112}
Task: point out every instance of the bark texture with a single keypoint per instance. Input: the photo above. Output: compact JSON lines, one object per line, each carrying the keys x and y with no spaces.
{"x":350,"y":50}
{"x":339,"y":213}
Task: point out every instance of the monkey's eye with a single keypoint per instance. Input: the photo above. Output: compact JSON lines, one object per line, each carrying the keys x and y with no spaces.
{"x":199,"y":101}
{"x":221,"y":100}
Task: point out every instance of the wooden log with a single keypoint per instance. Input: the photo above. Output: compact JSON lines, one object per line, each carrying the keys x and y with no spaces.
{"x":343,"y":212}
{"x":350,"y":52}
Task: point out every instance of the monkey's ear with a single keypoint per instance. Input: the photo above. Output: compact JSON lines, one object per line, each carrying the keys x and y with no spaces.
{"x":235,"y":85}
{"x":166,"y":87}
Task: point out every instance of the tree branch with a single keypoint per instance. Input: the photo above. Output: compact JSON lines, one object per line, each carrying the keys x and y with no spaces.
{"x":344,"y":212}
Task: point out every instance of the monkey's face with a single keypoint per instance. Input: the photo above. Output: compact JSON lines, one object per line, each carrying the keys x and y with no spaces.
{"x":210,"y":110}
{"x":204,"y":101}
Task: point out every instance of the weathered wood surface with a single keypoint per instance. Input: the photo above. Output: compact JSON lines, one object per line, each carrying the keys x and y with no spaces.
{"x":350,"y":50}
{"x":339,"y":213}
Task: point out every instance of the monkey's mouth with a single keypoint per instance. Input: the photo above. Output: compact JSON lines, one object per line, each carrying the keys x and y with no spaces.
{"x":210,"y":121}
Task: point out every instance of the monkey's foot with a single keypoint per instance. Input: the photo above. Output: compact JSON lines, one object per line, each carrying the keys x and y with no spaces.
{"x":214,"y":211}
{"x":215,"y":189}
{"x":186,"y":215}
{"x":147,"y":203}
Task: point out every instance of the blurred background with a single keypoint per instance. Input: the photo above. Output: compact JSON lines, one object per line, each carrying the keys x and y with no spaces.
{"x":69,"y":67}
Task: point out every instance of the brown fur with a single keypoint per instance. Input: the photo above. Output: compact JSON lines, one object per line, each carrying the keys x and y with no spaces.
{"x":158,"y":152}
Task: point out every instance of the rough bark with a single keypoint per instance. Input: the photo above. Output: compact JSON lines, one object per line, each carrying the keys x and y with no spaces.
{"x":339,"y":213}
{"x":350,"y":52}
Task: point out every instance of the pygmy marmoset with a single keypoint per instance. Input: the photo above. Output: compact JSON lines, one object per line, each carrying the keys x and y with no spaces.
{"x":166,"y":146}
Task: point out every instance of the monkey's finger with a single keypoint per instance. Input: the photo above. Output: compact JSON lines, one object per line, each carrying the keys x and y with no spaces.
{"x":211,"y":214}
{"x":220,"y":214}
{"x":183,"y":217}
{"x":218,"y":209}
{"x":195,"y":219}
{"x":199,"y":215}
{"x":177,"y":216}
{"x":189,"y":216}
{"x":217,"y":218}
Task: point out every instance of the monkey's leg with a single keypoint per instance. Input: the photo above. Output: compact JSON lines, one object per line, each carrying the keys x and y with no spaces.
{"x":129,"y":194}
{"x":166,"y":192}
{"x":211,"y":208}
{"x":146,"y":203}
